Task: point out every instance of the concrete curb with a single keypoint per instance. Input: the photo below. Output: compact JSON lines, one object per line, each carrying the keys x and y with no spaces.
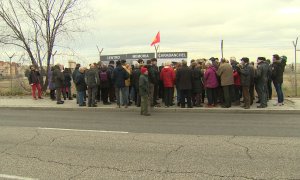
{"x":160,"y":110}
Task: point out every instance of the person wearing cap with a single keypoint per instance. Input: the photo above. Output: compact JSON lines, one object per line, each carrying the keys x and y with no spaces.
{"x":144,"y":91}
{"x":244,"y":71}
{"x":277,"y":77}
{"x":225,"y":72}
{"x":261,"y":76}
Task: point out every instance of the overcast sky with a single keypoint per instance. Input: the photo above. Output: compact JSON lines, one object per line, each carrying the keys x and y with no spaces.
{"x":249,"y":28}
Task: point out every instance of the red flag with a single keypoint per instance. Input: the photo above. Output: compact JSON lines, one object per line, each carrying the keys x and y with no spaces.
{"x":156,"y":39}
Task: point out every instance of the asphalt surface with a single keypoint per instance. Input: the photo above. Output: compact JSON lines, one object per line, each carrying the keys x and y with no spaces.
{"x":272,"y":125}
{"x":96,"y":145}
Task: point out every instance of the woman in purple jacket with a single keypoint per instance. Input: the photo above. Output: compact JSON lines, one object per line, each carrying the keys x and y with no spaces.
{"x":211,"y":84}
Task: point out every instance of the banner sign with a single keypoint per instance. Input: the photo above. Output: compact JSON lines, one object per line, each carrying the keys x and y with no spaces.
{"x":141,"y":56}
{"x":172,"y":55}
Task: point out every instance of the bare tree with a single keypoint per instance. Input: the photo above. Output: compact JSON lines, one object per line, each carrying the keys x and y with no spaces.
{"x":35,"y":26}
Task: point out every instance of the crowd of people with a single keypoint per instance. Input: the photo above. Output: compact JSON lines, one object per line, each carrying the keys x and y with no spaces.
{"x":212,"y":81}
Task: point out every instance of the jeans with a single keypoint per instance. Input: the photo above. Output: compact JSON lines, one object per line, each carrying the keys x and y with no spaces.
{"x":279,"y":92}
{"x":120,"y":93}
{"x":92,"y":91}
{"x":81,"y":97}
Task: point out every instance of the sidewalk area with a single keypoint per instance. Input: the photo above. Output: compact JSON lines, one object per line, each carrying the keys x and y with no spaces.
{"x":292,"y":105}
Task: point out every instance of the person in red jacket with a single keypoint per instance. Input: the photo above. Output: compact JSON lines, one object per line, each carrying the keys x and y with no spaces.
{"x":167,"y":75}
{"x":237,"y":82}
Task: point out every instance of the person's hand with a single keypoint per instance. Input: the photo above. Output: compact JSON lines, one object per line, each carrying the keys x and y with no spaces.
{"x":31,"y":84}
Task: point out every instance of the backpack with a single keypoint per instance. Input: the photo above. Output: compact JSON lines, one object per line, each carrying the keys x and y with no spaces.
{"x":103,"y":76}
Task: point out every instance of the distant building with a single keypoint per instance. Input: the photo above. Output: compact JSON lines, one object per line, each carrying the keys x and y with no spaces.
{"x":15,"y":69}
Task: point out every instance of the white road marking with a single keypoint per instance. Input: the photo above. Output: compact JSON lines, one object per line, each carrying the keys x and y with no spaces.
{"x":81,"y":130}
{"x":15,"y":177}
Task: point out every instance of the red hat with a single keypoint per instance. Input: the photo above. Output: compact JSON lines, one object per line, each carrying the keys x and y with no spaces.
{"x":144,"y":70}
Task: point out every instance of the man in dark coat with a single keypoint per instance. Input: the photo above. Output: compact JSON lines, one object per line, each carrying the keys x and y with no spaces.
{"x":135,"y":83}
{"x":144,"y":91}
{"x":261,"y":76}
{"x":81,"y":86}
{"x":244,"y":71}
{"x":92,"y":81}
{"x":111,"y":93}
{"x":152,"y":80}
{"x":58,"y":79}
{"x":184,"y":79}
{"x":105,"y":80}
{"x":119,"y":76}
{"x":156,"y":84}
{"x":74,"y":75}
{"x":34,"y":81}
{"x":277,"y":77}
{"x":197,"y":84}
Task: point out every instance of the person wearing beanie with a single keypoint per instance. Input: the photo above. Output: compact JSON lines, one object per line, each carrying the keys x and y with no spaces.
{"x":244,"y":71}
{"x":278,"y":68}
{"x":261,"y":81}
{"x":144,"y":91}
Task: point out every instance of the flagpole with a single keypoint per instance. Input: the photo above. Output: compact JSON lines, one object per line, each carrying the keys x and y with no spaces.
{"x":222,"y":48}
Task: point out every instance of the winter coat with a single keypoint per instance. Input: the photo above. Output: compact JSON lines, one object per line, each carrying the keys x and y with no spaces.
{"x":261,"y":74}
{"x":277,"y":71}
{"x":58,"y":78}
{"x":225,"y":72}
{"x":75,"y":73}
{"x":144,"y":85}
{"x":197,"y":80}
{"x":152,"y":74}
{"x":80,"y":82}
{"x":184,"y":78}
{"x":51,"y":83}
{"x":245,"y":73}
{"x":105,"y":83}
{"x":92,"y":78}
{"x":136,"y":78}
{"x":210,"y":78}
{"x":119,"y":77}
{"x":68,"y":79}
{"x":127,"y":81}
{"x":110,"y":70}
{"x":34,"y":77}
{"x":237,"y":78}
{"x":167,"y":75}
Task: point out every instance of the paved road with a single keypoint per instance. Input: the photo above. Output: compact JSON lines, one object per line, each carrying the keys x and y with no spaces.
{"x":163,"y":123}
{"x":163,"y":146}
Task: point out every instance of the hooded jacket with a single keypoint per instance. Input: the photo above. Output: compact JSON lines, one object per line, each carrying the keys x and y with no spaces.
{"x":119,"y":77}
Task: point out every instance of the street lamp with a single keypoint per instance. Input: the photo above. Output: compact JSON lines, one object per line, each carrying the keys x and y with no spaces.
{"x":295,"y":43}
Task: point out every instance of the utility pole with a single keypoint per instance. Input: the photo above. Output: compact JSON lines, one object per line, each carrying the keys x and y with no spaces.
{"x":10,"y":69}
{"x":222,"y":48}
{"x":156,"y":51}
{"x":100,"y":52}
{"x":295,"y":43}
